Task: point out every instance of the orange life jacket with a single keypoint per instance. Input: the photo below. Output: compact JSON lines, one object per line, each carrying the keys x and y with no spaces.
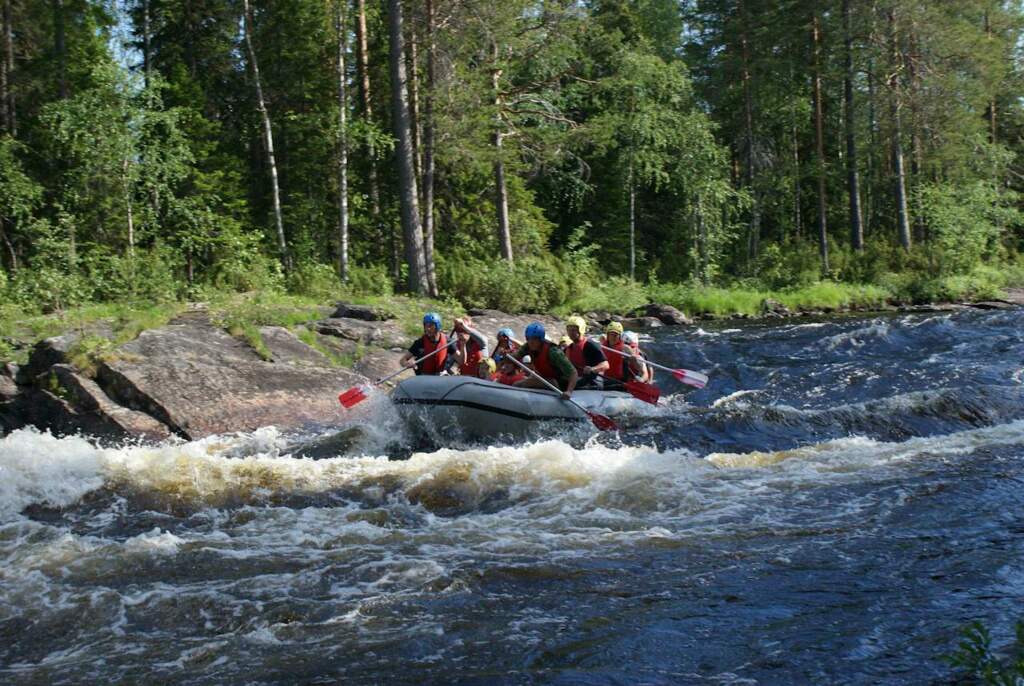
{"x":616,"y":360}
{"x":433,"y":365}
{"x":510,"y":379}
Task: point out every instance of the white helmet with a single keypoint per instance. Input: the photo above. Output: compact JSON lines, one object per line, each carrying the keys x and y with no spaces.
{"x":630,"y":338}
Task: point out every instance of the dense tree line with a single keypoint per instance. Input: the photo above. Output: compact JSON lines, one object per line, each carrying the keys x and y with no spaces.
{"x":452,"y":145}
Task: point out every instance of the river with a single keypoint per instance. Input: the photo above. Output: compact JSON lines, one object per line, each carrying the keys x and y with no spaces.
{"x":837,"y":503}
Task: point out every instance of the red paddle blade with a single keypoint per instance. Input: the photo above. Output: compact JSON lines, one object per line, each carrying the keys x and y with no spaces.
{"x":603,"y":423}
{"x":352,"y":397}
{"x":649,"y":393}
{"x":690,"y":378}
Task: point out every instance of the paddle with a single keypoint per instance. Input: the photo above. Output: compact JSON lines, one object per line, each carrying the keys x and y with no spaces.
{"x":600,"y":421}
{"x":688,"y":377}
{"x":647,"y":392}
{"x":357,"y":394}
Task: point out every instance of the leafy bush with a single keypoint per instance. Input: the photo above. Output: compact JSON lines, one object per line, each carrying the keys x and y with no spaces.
{"x":531,"y":284}
{"x":369,"y":280}
{"x":617,"y":294}
{"x":975,"y":656}
{"x":314,"y":279}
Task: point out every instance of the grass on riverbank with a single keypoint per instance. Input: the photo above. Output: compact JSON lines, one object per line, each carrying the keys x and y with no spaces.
{"x":243,"y":313}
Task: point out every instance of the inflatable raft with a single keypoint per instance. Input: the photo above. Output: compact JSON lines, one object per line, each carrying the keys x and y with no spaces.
{"x":476,"y":408}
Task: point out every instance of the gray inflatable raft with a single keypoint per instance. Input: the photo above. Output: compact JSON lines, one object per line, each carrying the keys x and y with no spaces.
{"x":476,"y":408}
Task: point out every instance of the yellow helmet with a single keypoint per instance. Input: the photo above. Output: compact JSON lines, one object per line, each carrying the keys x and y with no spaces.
{"x":577,"y":321}
{"x":491,"y":365}
{"x":564,"y":340}
{"x":614,"y":327}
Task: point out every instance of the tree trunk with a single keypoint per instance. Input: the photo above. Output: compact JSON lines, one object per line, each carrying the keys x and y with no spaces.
{"x":500,"y":188}
{"x":899,"y":175}
{"x":916,"y":144}
{"x":852,"y":180}
{"x":126,"y":187}
{"x":702,"y":245}
{"x":363,"y":67}
{"x":339,"y":26}
{"x":798,"y":220}
{"x":412,"y":71}
{"x":819,"y":135}
{"x":60,"y":52}
{"x":990,"y":110}
{"x":145,"y":42}
{"x":268,"y":138}
{"x":7,"y":72}
{"x":428,"y":152}
{"x":754,"y":239}
{"x":411,"y":229}
{"x":632,"y":224}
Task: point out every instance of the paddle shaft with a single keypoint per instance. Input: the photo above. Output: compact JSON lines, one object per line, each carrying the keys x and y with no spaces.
{"x":414,"y":363}
{"x":549,"y":385}
{"x":653,"y":364}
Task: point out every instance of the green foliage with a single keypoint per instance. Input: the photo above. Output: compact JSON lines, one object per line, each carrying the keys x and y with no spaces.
{"x":975,"y":656}
{"x":616,"y":294}
{"x":532,"y":284}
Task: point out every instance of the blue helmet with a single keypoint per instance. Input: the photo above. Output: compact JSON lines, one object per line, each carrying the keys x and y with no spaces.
{"x":432,"y":318}
{"x":535,"y":330}
{"x":506,"y":332}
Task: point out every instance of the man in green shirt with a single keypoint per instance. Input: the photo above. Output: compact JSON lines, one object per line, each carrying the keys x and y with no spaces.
{"x":547,"y":361}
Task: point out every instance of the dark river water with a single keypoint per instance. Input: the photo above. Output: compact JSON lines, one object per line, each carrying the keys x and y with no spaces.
{"x":837,"y":503}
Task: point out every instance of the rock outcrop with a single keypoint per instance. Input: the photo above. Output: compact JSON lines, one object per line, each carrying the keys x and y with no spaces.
{"x":199,"y":381}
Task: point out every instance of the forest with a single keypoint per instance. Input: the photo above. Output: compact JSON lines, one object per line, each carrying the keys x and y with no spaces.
{"x":525,"y":155}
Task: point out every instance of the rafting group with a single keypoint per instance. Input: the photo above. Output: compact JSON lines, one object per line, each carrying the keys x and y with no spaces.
{"x":613,"y":362}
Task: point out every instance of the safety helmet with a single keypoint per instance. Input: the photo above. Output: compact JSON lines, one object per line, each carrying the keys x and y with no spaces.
{"x":491,"y":366}
{"x":535,"y":330}
{"x":564,"y":340}
{"x":614,"y":327}
{"x":630,"y":338}
{"x":506,"y":332}
{"x":432,"y":318}
{"x":577,"y":321}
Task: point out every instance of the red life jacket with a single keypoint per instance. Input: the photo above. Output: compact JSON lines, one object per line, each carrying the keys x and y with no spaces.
{"x":574,"y":351}
{"x":616,"y":361}
{"x":474,"y":353}
{"x":542,"y":364}
{"x":433,"y":365}
{"x":510,"y":379}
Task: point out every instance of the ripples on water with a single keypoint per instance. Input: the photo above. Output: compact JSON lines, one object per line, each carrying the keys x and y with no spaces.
{"x":831,"y":508}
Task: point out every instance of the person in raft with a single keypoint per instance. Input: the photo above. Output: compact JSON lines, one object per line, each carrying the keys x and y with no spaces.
{"x":508,"y":373}
{"x":547,"y":361}
{"x":486,"y":369}
{"x":616,"y":356}
{"x":433,"y":338}
{"x":585,"y":354}
{"x":470,"y":346}
{"x":507,"y":345}
{"x":635,"y":369}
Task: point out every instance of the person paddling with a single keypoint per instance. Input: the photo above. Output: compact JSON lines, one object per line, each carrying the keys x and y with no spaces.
{"x":635,"y":367}
{"x":506,"y":344}
{"x":584,"y":354}
{"x":470,"y":346}
{"x":433,"y":338}
{"x":486,"y":369}
{"x":612,"y":343}
{"x":508,"y":373}
{"x":548,"y":361}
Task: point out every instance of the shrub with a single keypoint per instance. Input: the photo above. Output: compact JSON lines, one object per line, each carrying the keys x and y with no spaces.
{"x":369,"y":280}
{"x":531,"y":284}
{"x":314,"y":279}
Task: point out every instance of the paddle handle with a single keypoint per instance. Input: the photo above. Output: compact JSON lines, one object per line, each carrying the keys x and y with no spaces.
{"x":654,"y":364}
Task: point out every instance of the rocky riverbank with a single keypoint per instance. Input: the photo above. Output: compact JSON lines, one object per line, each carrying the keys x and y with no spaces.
{"x":191,"y":379}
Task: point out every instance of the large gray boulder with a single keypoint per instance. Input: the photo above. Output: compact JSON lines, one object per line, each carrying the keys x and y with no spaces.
{"x":199,"y":381}
{"x":363,"y":312}
{"x":384,"y":334}
{"x":666,"y":314}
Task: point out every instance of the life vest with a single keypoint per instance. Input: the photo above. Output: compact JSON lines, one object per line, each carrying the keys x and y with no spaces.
{"x":542,"y":364}
{"x":434,"y":364}
{"x":574,"y":351}
{"x":474,"y":353}
{"x":510,"y":379}
{"x":628,"y":374}
{"x":616,"y":360}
